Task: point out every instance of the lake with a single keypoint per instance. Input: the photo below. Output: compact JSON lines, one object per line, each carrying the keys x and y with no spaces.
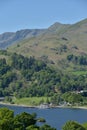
{"x":56,"y":117}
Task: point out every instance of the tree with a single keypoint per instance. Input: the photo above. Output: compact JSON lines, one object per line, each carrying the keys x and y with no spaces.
{"x":72,"y":125}
{"x":6,"y":124}
{"x":46,"y":127}
{"x":6,"y":119}
{"x":32,"y":127}
{"x":24,"y":119}
{"x":5,"y":113}
{"x":85,"y":125}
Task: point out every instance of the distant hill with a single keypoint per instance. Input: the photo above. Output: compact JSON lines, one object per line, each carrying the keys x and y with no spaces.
{"x":56,"y":43}
{"x":52,"y":45}
{"x":44,"y":62}
{"x":8,"y":38}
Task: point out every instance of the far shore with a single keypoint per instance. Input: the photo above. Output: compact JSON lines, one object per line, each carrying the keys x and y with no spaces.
{"x":22,"y":105}
{"x":19,"y":105}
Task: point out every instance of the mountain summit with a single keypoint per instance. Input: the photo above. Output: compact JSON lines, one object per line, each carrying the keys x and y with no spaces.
{"x":39,"y":42}
{"x":54,"y":44}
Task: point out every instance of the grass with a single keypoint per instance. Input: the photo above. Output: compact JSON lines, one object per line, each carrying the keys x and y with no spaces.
{"x":79,"y":72}
{"x":47,"y":43}
{"x":31,"y":101}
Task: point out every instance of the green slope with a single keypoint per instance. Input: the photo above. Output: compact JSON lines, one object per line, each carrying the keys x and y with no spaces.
{"x":55,"y":44}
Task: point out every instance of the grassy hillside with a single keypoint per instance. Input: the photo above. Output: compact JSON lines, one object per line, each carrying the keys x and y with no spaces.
{"x":55,"y":44}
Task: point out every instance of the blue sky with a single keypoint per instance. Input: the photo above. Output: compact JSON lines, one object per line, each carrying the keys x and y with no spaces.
{"x":21,"y":14}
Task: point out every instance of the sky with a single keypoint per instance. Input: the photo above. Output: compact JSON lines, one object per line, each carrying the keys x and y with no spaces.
{"x":31,"y":14}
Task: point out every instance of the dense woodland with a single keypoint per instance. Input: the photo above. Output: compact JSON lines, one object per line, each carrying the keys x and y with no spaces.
{"x":27,"y":77}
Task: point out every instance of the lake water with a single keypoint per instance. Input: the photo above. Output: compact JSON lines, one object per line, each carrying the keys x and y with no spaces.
{"x":56,"y":117}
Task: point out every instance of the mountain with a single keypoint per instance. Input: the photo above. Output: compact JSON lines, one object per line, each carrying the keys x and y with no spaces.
{"x":57,"y":27}
{"x":8,"y":38}
{"x":53,"y":61}
{"x":52,"y":45}
{"x":56,"y":43}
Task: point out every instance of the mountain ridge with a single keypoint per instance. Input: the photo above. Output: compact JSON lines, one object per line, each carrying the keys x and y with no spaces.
{"x":53,"y":44}
{"x":56,"y":43}
{"x":9,"y":38}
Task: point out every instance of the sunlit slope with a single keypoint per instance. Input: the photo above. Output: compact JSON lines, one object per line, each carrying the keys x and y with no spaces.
{"x":58,"y":41}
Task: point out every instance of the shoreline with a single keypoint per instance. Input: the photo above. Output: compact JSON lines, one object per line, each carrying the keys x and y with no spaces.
{"x":17,"y":105}
{"x":27,"y":106}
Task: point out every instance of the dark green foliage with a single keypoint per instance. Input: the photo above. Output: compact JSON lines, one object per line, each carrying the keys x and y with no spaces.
{"x":6,"y":119}
{"x":72,"y":125}
{"x":6,"y":76}
{"x":23,"y":121}
{"x":56,"y":99}
{"x":26,"y":121}
{"x":47,"y":127}
{"x":5,"y":113}
{"x":70,"y":57}
{"x":33,"y":127}
{"x":23,"y":63}
{"x":81,"y":60}
{"x":6,"y":124}
{"x":72,"y":97}
{"x":3,"y":67}
{"x":28,"y":77}
{"x":42,"y":78}
{"x":85,"y":125}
